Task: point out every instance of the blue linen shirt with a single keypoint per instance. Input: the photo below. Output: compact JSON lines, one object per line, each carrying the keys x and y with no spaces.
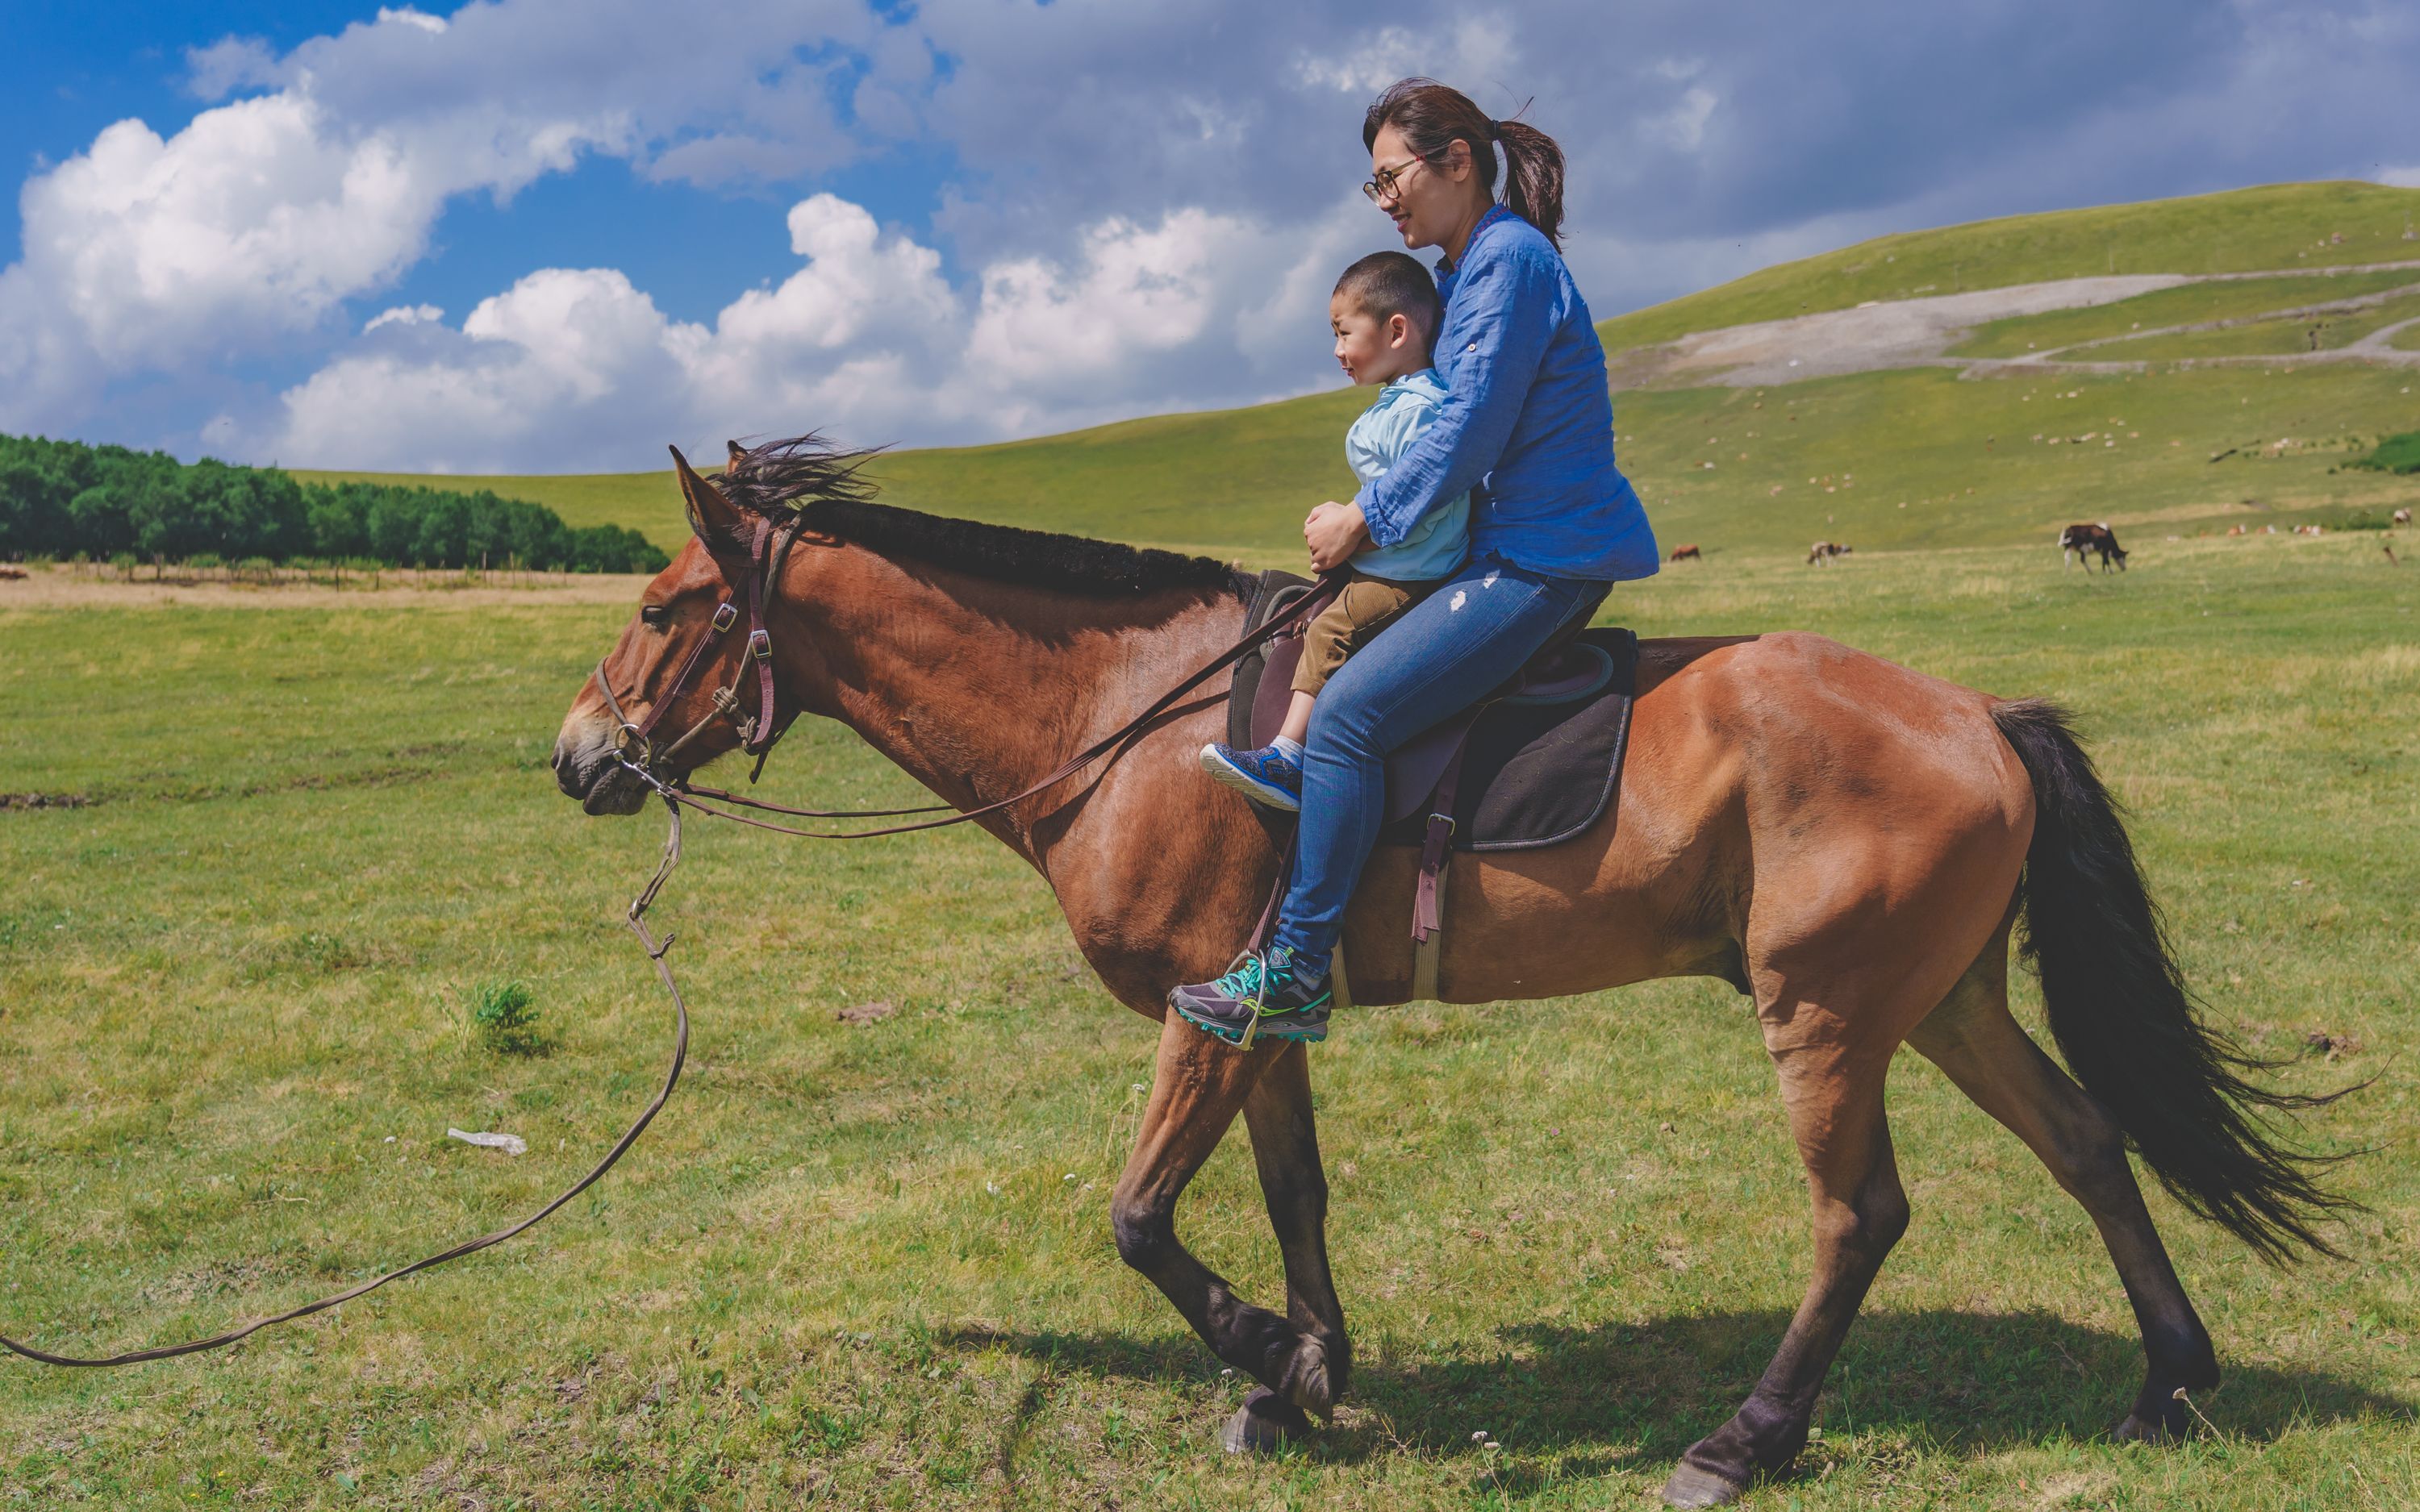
{"x":1527,"y":426}
{"x":1440,"y":540}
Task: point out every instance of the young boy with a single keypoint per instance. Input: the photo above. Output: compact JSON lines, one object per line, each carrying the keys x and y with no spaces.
{"x":1384,"y":312}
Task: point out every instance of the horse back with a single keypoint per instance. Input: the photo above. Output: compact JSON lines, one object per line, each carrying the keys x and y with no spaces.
{"x":1766,"y":774}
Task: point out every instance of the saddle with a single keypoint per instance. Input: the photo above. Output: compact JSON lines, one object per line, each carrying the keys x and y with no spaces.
{"x":1534,"y":763}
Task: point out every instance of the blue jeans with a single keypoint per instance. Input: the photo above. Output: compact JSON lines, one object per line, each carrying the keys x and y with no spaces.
{"x":1445,"y":653}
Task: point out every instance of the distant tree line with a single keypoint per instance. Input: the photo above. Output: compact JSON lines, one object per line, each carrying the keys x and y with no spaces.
{"x":65,"y":499}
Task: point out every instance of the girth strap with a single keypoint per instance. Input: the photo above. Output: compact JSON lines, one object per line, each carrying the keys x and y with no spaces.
{"x":1436,"y":854}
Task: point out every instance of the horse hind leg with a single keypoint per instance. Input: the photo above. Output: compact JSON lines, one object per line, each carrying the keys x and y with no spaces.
{"x":1834,"y":1094}
{"x":1972,"y":1038}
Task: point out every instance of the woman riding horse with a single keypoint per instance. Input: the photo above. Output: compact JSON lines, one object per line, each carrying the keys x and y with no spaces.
{"x":1850,"y":843}
{"x":1529,"y":429}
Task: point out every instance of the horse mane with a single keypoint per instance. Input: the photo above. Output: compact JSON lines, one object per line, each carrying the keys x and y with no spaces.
{"x":822,"y":486}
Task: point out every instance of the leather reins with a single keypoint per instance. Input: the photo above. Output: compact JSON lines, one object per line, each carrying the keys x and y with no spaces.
{"x":680,"y":793}
{"x":634,"y":751}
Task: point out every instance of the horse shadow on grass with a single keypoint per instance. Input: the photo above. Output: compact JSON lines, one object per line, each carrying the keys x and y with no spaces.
{"x":1969,"y":1383}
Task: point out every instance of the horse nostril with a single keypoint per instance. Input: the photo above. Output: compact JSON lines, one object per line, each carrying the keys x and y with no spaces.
{"x":560,"y":755}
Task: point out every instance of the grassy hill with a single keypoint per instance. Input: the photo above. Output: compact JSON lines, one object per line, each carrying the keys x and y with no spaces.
{"x":2277,"y":226}
{"x":1910,"y":459}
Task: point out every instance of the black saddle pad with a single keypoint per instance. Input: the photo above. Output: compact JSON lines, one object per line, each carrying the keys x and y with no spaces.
{"x":1538,"y":774}
{"x":1535,"y":773}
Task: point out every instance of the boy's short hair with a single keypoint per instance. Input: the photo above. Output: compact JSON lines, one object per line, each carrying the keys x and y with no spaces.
{"x":1394,"y":282}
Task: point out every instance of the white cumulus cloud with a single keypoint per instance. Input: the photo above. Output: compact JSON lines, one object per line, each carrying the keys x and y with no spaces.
{"x":1085,"y":211}
{"x":1684,"y":125}
{"x":1479,"y":48}
{"x":568,"y":354}
{"x":404,"y":314}
{"x":407,"y":16}
{"x":576,"y":367}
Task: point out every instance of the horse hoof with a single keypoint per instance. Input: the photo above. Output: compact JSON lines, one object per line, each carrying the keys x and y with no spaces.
{"x":1306,"y":1379}
{"x":1262,"y":1424}
{"x":1693,"y":1487}
{"x":2136,"y":1429}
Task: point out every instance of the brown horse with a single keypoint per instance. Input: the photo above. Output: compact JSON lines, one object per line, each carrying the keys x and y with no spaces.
{"x":1847,"y":842}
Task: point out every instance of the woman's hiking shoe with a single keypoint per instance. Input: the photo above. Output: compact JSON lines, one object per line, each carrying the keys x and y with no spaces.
{"x":1269,"y":776}
{"x":1263,"y":996}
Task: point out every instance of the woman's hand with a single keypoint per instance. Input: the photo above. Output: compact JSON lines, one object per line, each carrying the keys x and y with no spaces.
{"x":1334,"y":533}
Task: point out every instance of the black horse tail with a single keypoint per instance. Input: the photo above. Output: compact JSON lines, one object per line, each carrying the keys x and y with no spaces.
{"x":2127,"y":1023}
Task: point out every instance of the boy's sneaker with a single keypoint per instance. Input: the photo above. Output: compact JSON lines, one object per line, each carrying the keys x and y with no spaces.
{"x":1263,"y":996}
{"x":1270,"y":777}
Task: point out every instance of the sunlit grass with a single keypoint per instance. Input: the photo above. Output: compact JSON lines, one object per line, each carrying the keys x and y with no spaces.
{"x":847,"y":1267}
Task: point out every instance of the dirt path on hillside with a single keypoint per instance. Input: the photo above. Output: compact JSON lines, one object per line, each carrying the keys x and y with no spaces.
{"x":1919,"y":332}
{"x":63,"y":587}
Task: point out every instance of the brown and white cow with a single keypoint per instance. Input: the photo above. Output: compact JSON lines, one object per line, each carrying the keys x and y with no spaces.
{"x":1822,"y":552}
{"x":2076,"y":540}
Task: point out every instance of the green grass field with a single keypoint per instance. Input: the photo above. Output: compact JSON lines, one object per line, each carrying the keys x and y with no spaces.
{"x":872,"y":1266}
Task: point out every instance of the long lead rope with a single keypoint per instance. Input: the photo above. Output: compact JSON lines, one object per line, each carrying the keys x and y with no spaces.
{"x":675,"y":798}
{"x":655,"y":951}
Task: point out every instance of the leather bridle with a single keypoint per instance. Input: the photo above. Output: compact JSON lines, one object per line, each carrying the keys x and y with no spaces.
{"x":635,"y":751}
{"x":634,"y":744}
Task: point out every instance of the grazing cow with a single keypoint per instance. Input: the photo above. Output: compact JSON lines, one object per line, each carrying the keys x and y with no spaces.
{"x":1688,"y":553}
{"x":2076,"y":540}
{"x":1822,"y":552}
{"x":2403,"y":517}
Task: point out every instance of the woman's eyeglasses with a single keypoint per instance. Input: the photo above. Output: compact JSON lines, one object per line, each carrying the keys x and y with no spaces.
{"x":1386,"y":183}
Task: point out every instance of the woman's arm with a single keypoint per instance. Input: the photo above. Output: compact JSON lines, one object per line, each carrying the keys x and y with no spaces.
{"x":1509,"y":315}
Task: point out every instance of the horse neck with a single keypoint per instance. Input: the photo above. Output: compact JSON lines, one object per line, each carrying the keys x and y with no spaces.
{"x":979,"y":688}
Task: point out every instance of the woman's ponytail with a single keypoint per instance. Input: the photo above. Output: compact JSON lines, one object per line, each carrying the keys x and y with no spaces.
{"x":1432,"y":116}
{"x":1533,"y":181}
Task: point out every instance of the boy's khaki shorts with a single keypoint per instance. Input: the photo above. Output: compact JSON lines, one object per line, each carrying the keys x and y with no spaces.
{"x":1365,"y":606}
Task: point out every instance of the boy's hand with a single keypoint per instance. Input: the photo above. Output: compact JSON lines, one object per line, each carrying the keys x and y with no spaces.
{"x":1335,"y":531}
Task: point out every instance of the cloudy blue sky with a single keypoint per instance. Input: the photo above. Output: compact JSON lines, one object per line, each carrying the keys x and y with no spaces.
{"x":552,"y":235}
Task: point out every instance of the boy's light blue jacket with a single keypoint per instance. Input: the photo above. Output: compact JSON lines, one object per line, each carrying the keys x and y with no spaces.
{"x":1440,"y":540}
{"x":1527,"y":420}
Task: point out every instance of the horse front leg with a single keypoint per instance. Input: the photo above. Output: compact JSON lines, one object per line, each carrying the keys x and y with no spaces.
{"x":1285,"y":1148}
{"x":1198,"y":1087}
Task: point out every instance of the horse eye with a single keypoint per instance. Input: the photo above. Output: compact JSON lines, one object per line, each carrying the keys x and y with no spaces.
{"x":652,"y":614}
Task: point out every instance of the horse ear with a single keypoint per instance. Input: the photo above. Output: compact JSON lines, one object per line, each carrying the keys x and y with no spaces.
{"x":738,"y":451}
{"x":711,"y":518}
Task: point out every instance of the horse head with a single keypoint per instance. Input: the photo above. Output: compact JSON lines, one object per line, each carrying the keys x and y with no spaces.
{"x":639,"y":702}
